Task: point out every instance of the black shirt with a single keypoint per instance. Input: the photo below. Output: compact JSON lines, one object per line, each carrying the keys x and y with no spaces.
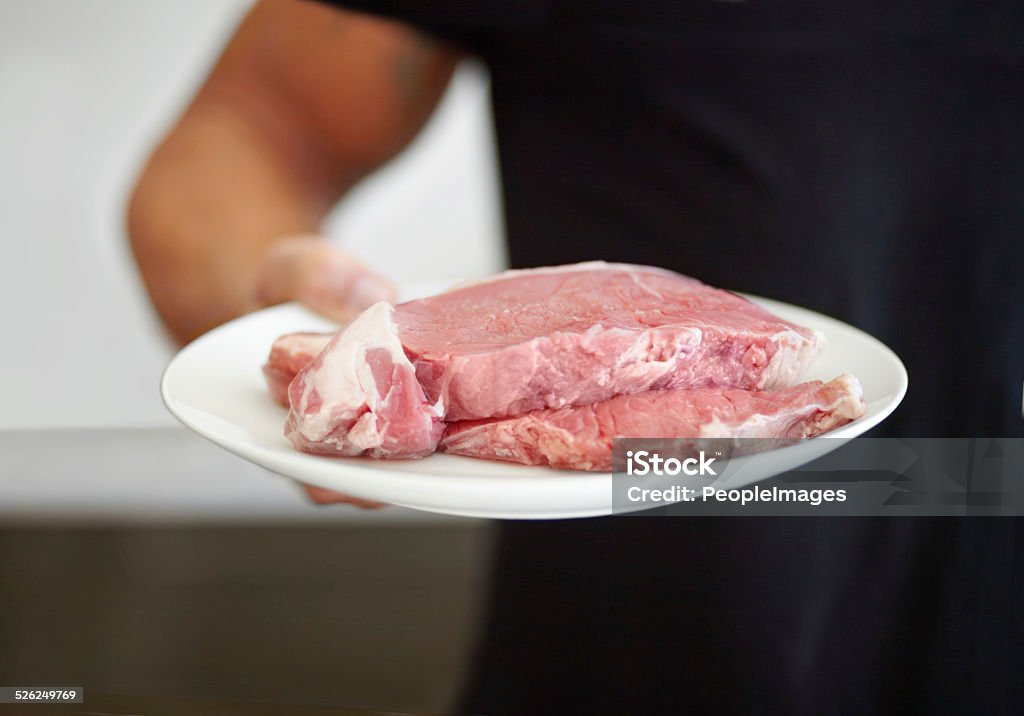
{"x":863,"y":159}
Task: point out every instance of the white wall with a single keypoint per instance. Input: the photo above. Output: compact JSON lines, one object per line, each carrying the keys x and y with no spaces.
{"x":86,"y":88}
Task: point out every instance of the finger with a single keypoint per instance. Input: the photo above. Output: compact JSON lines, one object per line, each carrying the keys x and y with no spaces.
{"x":323,"y":496}
{"x":325,"y":278}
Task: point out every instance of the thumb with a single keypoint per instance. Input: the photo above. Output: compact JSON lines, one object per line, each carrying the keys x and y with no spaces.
{"x":327,"y":279}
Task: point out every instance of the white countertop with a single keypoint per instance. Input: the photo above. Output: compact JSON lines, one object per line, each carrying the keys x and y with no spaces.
{"x":142,"y":476}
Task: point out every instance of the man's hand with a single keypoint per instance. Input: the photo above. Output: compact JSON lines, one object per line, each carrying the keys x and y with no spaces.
{"x":305,"y":101}
{"x":329,"y":280}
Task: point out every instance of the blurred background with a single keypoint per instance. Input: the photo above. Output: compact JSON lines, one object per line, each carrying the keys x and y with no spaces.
{"x":134,"y":557}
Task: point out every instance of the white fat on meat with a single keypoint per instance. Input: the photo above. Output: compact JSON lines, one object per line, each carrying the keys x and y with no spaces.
{"x":360,"y":396}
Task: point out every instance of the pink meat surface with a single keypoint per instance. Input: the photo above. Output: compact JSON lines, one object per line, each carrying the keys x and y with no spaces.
{"x":288,"y":355}
{"x":574,"y":335}
{"x":580,"y":438}
{"x":546,"y":338}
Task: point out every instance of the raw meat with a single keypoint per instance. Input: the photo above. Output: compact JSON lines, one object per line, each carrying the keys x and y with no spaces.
{"x":580,"y":438}
{"x":578,"y":334}
{"x":288,"y":355}
{"x":360,"y":396}
{"x":548,"y":338}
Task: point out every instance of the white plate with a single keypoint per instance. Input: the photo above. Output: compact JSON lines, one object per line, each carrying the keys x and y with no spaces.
{"x":215,"y":386}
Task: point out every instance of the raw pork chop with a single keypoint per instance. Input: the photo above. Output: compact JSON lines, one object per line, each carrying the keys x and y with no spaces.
{"x":542,"y":338}
{"x":360,"y":396}
{"x":288,"y":355}
{"x":574,"y":335}
{"x":580,"y":438}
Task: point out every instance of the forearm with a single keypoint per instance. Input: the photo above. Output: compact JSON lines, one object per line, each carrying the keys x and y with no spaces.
{"x":304,"y":102}
{"x":213,"y":197}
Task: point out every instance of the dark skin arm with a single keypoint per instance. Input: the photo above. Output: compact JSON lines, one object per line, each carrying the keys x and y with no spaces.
{"x":304,"y":102}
